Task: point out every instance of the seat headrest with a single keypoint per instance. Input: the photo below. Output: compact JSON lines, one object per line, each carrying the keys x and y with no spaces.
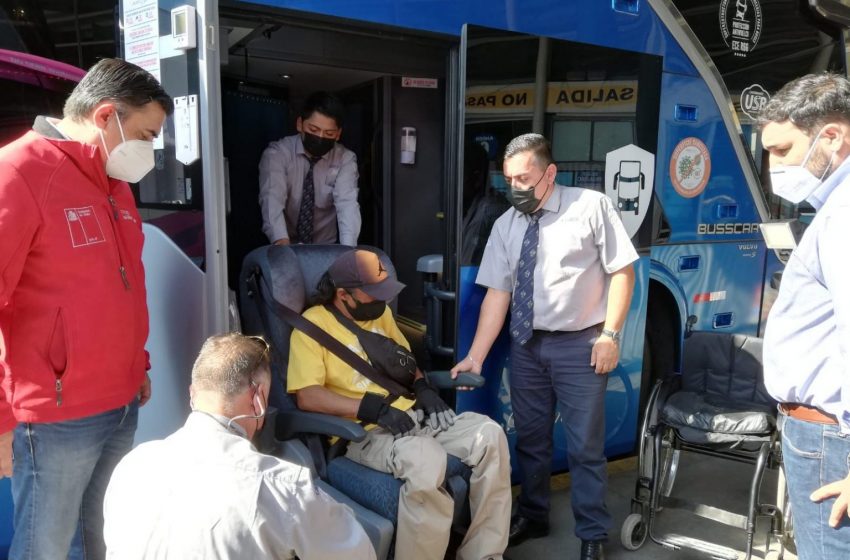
{"x":291,"y":274}
{"x":293,"y":271}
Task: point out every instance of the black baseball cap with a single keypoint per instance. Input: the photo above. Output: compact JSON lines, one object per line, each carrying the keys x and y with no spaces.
{"x":360,"y":268}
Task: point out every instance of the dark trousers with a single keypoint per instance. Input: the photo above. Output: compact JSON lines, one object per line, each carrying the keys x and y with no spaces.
{"x":555,"y":368}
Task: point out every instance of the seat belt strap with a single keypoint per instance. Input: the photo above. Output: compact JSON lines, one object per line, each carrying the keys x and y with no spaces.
{"x":297,"y":321}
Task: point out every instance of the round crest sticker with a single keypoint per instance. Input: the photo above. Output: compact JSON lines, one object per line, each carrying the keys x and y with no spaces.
{"x":740,"y":25}
{"x":690,"y":167}
{"x":753,"y":100}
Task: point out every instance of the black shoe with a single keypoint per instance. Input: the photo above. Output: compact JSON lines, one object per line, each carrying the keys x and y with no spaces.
{"x":592,"y":550}
{"x":523,"y":528}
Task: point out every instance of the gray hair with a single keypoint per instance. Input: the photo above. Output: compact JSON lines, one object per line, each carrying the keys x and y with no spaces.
{"x":531,"y":142}
{"x":809,"y":102}
{"x":229,"y":363}
{"x":113,"y":79}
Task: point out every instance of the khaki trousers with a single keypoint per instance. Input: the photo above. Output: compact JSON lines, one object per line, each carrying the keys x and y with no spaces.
{"x":425,"y":508}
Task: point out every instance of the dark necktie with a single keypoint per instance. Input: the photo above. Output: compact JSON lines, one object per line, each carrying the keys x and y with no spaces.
{"x":522,"y":304}
{"x":304,"y":229}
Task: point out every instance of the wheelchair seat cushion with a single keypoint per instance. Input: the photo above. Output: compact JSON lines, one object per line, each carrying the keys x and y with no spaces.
{"x":699,"y":412}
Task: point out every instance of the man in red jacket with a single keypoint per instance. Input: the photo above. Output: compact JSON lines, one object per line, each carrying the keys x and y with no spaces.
{"x":73,"y":316}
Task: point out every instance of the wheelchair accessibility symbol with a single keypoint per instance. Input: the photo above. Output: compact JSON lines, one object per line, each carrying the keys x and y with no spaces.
{"x":629,"y":180}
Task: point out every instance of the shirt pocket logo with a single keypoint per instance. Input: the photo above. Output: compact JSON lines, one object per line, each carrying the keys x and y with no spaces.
{"x":84,"y":226}
{"x":330,"y":178}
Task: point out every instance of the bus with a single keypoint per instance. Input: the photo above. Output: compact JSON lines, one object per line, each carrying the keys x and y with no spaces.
{"x":651,"y":102}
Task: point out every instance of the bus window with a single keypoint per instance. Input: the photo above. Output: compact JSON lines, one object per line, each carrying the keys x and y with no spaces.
{"x":580,"y":146}
{"x":31,"y":86}
{"x":610,"y":135}
{"x":589,"y":108}
{"x":76,"y":33}
{"x":571,"y":141}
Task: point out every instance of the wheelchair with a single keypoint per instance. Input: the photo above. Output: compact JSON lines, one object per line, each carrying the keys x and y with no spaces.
{"x":718,"y":406}
{"x":288,"y":275}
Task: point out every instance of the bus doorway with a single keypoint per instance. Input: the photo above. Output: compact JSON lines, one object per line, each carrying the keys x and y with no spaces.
{"x":389,"y":81}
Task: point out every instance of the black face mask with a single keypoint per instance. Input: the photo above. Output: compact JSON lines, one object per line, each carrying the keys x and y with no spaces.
{"x":524,"y":200}
{"x":365,"y":311}
{"x":264,"y":438}
{"x":316,"y":145}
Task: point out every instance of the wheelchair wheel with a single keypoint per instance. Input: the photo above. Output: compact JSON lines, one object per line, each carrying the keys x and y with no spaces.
{"x":634,"y":531}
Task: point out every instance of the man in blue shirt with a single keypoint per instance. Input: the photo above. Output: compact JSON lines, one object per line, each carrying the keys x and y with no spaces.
{"x":806,"y":130}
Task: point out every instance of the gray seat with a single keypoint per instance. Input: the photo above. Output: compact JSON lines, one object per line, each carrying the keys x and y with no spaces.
{"x":722,"y":397}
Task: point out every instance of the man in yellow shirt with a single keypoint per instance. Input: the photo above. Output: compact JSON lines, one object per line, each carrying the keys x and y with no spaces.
{"x":357,"y":286}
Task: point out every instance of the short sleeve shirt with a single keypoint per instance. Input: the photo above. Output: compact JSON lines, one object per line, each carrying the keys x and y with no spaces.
{"x":582,"y":241}
{"x":312,"y":364}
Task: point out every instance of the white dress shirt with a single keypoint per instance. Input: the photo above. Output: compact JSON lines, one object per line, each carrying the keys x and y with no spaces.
{"x":282,"y":170}
{"x":807,"y":337}
{"x":206,"y":493}
{"x":582,"y":242}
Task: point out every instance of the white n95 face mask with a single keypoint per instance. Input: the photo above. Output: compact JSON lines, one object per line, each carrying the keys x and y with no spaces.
{"x":795,"y":183}
{"x":130,"y":160}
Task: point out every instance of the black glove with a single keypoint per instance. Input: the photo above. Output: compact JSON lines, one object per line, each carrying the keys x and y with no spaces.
{"x":374,"y":409}
{"x":429,"y":403}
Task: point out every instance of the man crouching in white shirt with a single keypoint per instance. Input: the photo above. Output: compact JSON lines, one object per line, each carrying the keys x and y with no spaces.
{"x":206,"y":492}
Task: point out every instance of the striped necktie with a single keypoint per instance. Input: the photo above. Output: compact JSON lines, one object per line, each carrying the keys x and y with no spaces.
{"x":522,"y":303}
{"x":304,"y":229}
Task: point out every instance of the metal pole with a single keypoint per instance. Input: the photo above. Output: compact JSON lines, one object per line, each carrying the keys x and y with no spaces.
{"x":212,"y":165}
{"x":77,"y":31}
{"x":541,"y":85}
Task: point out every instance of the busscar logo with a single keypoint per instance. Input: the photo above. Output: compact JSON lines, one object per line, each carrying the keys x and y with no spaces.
{"x":740,"y":25}
{"x":753,"y":100}
{"x":727,"y":229}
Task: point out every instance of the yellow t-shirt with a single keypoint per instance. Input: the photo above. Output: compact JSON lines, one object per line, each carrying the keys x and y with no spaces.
{"x":312,"y":364}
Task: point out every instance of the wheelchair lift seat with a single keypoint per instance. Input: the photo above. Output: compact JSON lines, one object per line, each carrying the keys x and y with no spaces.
{"x":289,"y":275}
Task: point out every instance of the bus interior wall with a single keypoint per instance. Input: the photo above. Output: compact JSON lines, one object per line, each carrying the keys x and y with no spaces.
{"x":265,"y":79}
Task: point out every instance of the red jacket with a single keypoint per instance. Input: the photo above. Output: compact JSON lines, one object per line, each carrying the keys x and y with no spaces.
{"x":73,"y":315}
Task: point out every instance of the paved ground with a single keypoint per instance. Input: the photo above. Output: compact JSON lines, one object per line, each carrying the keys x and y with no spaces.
{"x":720,"y":483}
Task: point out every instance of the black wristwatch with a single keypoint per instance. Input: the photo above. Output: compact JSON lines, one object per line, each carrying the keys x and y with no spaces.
{"x":613,"y":335}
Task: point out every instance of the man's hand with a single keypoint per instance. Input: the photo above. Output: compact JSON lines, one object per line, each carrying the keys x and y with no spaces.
{"x":429,"y":403}
{"x":841,"y":489}
{"x":6,"y":454}
{"x":605,"y":354}
{"x":466,"y":365}
{"x":375,"y":410}
{"x":283,"y":241}
{"x":145,"y":390}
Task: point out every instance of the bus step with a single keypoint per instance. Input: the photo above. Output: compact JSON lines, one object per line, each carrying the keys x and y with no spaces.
{"x":714,"y":550}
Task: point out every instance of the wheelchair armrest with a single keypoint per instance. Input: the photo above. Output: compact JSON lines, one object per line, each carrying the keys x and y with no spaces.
{"x":443,"y":380}
{"x":290,"y":423}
